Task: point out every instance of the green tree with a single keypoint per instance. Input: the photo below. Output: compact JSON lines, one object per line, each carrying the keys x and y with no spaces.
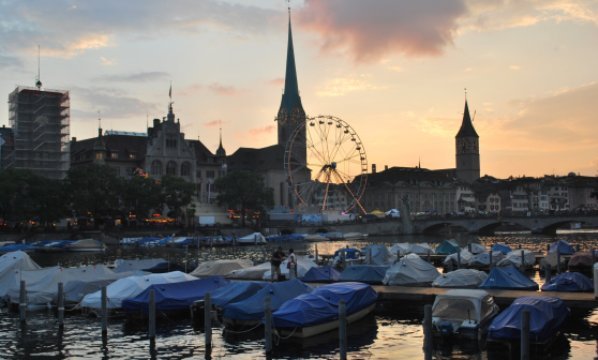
{"x":95,"y":190}
{"x":243,"y":191}
{"x":25,"y":196}
{"x":177,"y":193}
{"x":141,"y":195}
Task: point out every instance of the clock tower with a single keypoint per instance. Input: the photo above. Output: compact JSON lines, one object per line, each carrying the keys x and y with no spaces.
{"x":467,"y":150}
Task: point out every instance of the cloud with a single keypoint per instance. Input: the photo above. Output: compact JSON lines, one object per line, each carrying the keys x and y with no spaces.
{"x":499,"y":15}
{"x":262,"y":130}
{"x":278,"y":82}
{"x":65,"y":29}
{"x":136,"y":77}
{"x":113,"y":103}
{"x":514,"y":67}
{"x":225,"y":90}
{"x":367,"y":30}
{"x":341,"y":86}
{"x":9,"y":61}
{"x":106,"y":61}
{"x":214,"y":123}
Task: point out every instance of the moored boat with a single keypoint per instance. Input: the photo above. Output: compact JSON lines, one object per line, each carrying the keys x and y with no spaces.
{"x":547,"y":314}
{"x":317,"y":312}
{"x":463,"y":313}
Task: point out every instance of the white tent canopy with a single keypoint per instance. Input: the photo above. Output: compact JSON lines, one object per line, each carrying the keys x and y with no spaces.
{"x":253,"y":238}
{"x":514,"y":258}
{"x":10,"y":264}
{"x":121,"y":265}
{"x":42,"y":284}
{"x":131,"y":286}
{"x":220,"y":267}
{"x":461,"y":278}
{"x":411,"y":270}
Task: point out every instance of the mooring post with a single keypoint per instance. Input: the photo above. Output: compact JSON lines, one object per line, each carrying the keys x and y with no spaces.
{"x":428,"y":332}
{"x":469,"y":247}
{"x":490,"y":255}
{"x":459,"y":259}
{"x":525,"y":335}
{"x":60,"y":305}
{"x":152,"y":315}
{"x":316,"y":257}
{"x":522,"y":259}
{"x":558,"y":261}
{"x":595,"y":276}
{"x":104,"y":312}
{"x":207,"y":322}
{"x":342,"y":329}
{"x":268,"y":324}
{"x":23,"y":302}
{"x":547,"y":273}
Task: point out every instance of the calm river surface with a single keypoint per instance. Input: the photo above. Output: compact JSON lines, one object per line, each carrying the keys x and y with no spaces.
{"x":393,"y":332}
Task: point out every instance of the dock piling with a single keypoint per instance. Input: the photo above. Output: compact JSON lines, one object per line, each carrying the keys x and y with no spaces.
{"x":428,"y":332}
{"x":342,"y":329}
{"x":268,"y":324}
{"x":547,"y":273}
{"x":490,"y":255}
{"x":525,"y":335}
{"x":104,"y":312}
{"x":23,"y":301}
{"x":152,"y":315}
{"x":522,"y":259}
{"x":458,"y":259}
{"x":595,"y":276}
{"x":207,"y":322}
{"x":60,"y":305}
{"x":558,"y":261}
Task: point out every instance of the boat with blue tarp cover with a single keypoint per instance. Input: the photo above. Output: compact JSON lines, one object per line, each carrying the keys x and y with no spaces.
{"x":234,"y":292}
{"x":317,"y":312}
{"x":562,"y":247}
{"x":547,"y":314}
{"x":173,"y":296}
{"x":503,"y":248}
{"x":447,"y":247}
{"x":4,"y":249}
{"x":508,"y":277}
{"x":569,"y":281}
{"x":321,"y":274}
{"x":370,"y":274}
{"x":250,"y":312}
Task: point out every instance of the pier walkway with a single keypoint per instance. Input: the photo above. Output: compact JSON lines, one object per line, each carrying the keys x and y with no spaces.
{"x":575,"y":300}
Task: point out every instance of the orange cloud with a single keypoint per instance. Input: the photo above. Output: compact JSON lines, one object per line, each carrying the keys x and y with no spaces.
{"x":225,"y":90}
{"x":262,"y":130}
{"x":370,"y":29}
{"x":214,"y":123}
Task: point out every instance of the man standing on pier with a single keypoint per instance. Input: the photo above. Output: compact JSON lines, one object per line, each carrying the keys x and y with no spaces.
{"x":275,"y":261}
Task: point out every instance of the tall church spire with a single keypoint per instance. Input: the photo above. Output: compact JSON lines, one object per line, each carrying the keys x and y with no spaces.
{"x":467,"y":146}
{"x":467,"y":128}
{"x":291,"y":113}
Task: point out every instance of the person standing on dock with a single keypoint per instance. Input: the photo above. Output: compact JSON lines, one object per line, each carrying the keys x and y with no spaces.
{"x":292,"y":264}
{"x":275,"y":261}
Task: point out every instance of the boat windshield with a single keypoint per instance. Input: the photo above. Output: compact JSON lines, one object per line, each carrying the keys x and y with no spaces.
{"x":455,"y":309}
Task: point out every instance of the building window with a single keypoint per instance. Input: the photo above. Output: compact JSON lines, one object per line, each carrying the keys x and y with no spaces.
{"x":114,"y":155}
{"x":185,"y":169}
{"x":199,"y":174}
{"x":99,"y":156}
{"x":156,"y":168}
{"x":210,"y":174}
{"x":132,"y":156}
{"x":171,"y":143}
{"x":171,"y":168}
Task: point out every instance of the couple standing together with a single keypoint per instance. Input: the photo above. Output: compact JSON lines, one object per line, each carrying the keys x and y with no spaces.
{"x":277,"y":257}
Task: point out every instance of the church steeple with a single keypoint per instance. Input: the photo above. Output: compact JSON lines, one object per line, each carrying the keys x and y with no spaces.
{"x":467,"y":129}
{"x":170,"y":116}
{"x":291,"y":113}
{"x":220,"y":152}
{"x":467,"y":146}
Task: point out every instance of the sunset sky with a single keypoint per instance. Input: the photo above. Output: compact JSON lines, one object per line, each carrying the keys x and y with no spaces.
{"x":395,"y":70}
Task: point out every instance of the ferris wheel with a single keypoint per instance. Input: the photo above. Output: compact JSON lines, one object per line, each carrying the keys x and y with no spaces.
{"x":326,"y":165}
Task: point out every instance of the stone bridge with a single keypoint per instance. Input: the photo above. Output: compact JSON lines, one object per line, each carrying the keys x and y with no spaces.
{"x":544,"y":224}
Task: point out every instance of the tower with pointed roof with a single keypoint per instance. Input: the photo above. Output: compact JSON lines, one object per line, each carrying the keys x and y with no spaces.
{"x":467,"y":144}
{"x":291,"y":113}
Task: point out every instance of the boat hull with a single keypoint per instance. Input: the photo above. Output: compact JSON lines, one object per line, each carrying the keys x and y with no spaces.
{"x":309,"y":331}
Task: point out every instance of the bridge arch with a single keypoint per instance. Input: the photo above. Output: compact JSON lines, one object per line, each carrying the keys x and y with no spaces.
{"x":444,"y":226}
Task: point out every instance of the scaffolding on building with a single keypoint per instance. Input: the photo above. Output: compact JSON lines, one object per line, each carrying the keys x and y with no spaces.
{"x":40,"y":120}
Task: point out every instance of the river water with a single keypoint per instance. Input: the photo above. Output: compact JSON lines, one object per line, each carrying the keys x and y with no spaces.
{"x":393,"y":332}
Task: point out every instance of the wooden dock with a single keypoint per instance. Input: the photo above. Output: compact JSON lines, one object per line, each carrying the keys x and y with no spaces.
{"x":575,"y":300}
